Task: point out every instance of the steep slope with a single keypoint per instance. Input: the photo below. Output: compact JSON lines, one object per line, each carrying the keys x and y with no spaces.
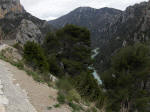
{"x":27,"y":95}
{"x":130,"y":27}
{"x":15,"y":22}
{"x":10,"y":6}
{"x":96,"y":20}
{"x":111,"y":29}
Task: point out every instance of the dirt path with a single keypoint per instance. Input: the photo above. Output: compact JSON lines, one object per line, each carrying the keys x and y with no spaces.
{"x":12,"y":97}
{"x":40,"y":95}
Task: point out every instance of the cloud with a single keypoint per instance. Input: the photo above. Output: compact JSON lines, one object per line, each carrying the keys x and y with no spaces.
{"x":51,"y":9}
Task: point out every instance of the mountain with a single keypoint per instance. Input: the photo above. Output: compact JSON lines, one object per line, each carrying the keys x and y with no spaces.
{"x":110,"y":29}
{"x":132,"y":26}
{"x":17,"y":25}
{"x":96,"y":20}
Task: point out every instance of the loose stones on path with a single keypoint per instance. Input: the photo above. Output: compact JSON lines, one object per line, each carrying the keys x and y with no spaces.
{"x":3,"y":99}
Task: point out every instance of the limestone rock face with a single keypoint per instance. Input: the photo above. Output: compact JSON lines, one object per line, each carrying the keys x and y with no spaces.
{"x":7,"y":6}
{"x":28,"y":31}
{"x":17,"y":25}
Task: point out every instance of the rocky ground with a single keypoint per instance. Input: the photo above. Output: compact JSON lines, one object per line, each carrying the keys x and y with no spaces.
{"x":12,"y":97}
{"x":20,"y":93}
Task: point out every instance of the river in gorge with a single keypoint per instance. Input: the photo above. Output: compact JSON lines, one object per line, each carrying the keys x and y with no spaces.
{"x":95,"y":74}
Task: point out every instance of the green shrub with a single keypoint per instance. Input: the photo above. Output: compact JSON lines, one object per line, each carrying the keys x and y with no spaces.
{"x":35,"y":75}
{"x":49,"y":108}
{"x":66,"y":92}
{"x":54,"y":66}
{"x":64,"y":84}
{"x":94,"y":109}
{"x":73,"y":95}
{"x":57,"y":105}
{"x":34,"y":56}
{"x":18,"y":64}
{"x":75,"y":107}
{"x":61,"y":98}
{"x":18,"y":46}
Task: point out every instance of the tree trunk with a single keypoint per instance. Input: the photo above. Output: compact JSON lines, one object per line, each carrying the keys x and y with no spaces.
{"x":125,"y":106}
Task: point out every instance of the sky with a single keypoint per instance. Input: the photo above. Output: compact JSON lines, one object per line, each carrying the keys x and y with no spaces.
{"x":52,"y":9}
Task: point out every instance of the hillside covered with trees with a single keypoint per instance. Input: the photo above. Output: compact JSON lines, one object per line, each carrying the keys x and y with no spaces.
{"x":67,"y":55}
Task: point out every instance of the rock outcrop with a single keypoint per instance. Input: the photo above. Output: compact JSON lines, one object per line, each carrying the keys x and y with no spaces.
{"x":7,"y":6}
{"x":17,"y":25}
{"x":28,"y":31}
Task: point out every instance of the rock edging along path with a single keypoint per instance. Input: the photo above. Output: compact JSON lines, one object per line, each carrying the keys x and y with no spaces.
{"x":12,"y":97}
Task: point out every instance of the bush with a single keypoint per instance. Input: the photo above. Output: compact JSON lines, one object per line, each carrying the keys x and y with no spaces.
{"x":49,"y":108}
{"x":18,"y":46}
{"x":73,"y":95}
{"x":75,"y":107}
{"x":18,"y":64}
{"x":67,"y":93}
{"x":57,"y":105}
{"x":54,"y":66}
{"x":34,"y":56}
{"x":64,"y":84}
{"x":61,"y":98}
{"x":35,"y":75}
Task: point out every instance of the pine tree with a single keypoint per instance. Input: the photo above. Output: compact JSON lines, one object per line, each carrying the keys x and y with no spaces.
{"x":125,"y":82}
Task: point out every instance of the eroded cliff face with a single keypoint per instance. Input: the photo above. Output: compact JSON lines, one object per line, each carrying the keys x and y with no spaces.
{"x":132,"y":26}
{"x":28,"y":31}
{"x":7,"y":6}
{"x":17,"y":25}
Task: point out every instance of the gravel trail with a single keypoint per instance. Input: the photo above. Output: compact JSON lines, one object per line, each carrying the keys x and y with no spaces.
{"x":23,"y":94}
{"x":12,"y":97}
{"x":20,"y":93}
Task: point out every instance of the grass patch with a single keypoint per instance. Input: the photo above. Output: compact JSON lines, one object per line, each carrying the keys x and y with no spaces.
{"x":49,"y":108}
{"x":35,"y":75}
{"x":75,"y":107}
{"x":61,"y":98}
{"x":18,"y":64}
{"x":57,"y":105}
{"x":92,"y":109}
{"x":18,"y":46}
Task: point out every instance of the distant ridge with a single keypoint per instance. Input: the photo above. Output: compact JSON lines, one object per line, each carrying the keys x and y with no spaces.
{"x":96,"y":20}
{"x":111,"y":29}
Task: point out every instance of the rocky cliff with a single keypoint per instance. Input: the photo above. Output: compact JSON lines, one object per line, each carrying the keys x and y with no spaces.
{"x":133,"y":25}
{"x":18,"y":25}
{"x":7,"y":6}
